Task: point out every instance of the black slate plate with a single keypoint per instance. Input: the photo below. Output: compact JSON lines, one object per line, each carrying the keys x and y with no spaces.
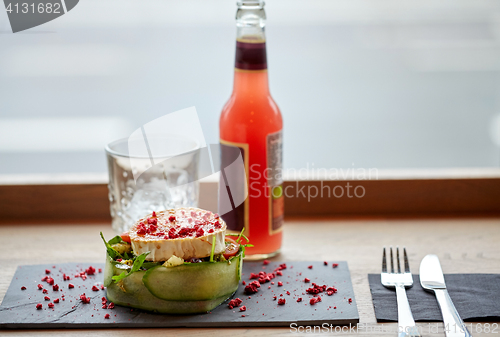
{"x":18,"y":309}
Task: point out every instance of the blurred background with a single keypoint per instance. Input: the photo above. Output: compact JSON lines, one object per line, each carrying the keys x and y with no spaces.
{"x":382,"y":84}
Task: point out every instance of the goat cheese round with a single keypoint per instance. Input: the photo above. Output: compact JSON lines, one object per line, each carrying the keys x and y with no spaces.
{"x":184,"y":232}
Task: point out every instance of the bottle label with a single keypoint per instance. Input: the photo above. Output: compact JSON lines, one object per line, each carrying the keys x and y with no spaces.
{"x":275,"y":181}
{"x":233,"y":182}
{"x":251,"y":55}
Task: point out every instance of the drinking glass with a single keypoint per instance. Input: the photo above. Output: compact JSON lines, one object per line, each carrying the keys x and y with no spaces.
{"x":163,"y":175}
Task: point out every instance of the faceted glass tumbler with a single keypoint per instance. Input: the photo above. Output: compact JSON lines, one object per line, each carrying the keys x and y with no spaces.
{"x":141,"y":182}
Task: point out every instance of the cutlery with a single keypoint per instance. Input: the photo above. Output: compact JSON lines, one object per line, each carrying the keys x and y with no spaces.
{"x":432,"y":279}
{"x":400,"y":281}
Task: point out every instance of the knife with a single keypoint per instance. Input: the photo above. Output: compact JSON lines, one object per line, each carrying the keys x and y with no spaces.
{"x":432,"y":279}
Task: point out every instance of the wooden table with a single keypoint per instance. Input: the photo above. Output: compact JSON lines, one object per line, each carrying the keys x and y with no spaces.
{"x":463,"y":246}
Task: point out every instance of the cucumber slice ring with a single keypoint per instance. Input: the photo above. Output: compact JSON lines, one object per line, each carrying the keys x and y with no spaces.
{"x":185,"y":289}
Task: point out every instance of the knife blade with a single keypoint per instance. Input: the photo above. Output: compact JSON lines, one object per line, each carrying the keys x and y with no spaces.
{"x":432,"y":279}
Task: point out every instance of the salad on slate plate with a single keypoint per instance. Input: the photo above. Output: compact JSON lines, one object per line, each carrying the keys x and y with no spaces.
{"x":178,"y":261}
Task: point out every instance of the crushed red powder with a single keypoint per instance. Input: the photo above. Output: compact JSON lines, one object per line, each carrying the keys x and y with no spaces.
{"x":51,"y":305}
{"x":234,"y":303}
{"x":71,"y":286}
{"x":331,"y":290}
{"x":90,"y":270}
{"x":106,"y":316}
{"x":316,"y":289}
{"x":39,"y":306}
{"x":335,"y":265}
{"x":95,"y":288}
{"x":306,"y":280}
{"x":350,"y":300}
{"x":265,"y":263}
{"x":280,"y":284}
{"x":111,"y":305}
{"x":281,"y":301}
{"x":310,"y":267}
{"x":55,"y":287}
{"x":45,"y":291}
{"x":275,"y":297}
{"x":40,"y":287}
{"x":56,"y":300}
{"x":299,"y":299}
{"x":84,"y":299}
{"x":23,"y":288}
{"x":47,"y":271}
{"x":47,"y":298}
{"x":325,"y":263}
{"x":243,"y":308}
{"x":252,"y":287}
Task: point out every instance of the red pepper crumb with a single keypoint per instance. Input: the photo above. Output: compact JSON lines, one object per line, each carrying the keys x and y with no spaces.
{"x":106,"y":316}
{"x":104,"y":306}
{"x":275,"y":297}
{"x":39,"y":306}
{"x":306,"y":280}
{"x":266,"y":262}
{"x":310,"y":267}
{"x":50,"y":281}
{"x":316,"y":289}
{"x":243,"y":308}
{"x":279,"y":273}
{"x":287,"y":292}
{"x":71,"y":286}
{"x":350,"y":300}
{"x":45,"y":291}
{"x":51,"y":305}
{"x":90,"y":270}
{"x":282,"y":266}
{"x":94,"y":288}
{"x":102,"y":287}
{"x":44,"y":278}
{"x":84,"y":299}
{"x":272,"y":283}
{"x":100,"y":270}
{"x":269,"y":287}
{"x":299,"y":299}
{"x":243,"y":282}
{"x":252,"y":287}
{"x":56,"y":300}
{"x":47,"y":271}
{"x":111,"y":305}
{"x":171,"y":218}
{"x":334,"y":307}
{"x":55,"y":287}
{"x":312,"y":301}
{"x":23,"y":288}
{"x":47,"y":298}
{"x":280,"y":284}
{"x":335,"y":265}
{"x":234,"y":303}
{"x":103,"y":299}
{"x":40,"y":287}
{"x":325,"y":263}
{"x":331,"y":290}
{"x":281,"y":301}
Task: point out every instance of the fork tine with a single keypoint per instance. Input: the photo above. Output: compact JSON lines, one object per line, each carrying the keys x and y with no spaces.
{"x":397,"y":258}
{"x":407,"y":265}
{"x":392,"y":262}
{"x":384,"y":263}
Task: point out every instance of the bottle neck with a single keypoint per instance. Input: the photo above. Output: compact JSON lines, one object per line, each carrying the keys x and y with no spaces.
{"x":251,"y":59}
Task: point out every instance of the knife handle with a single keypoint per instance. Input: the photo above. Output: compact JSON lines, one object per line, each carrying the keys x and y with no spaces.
{"x":406,"y":323}
{"x":453,"y":325}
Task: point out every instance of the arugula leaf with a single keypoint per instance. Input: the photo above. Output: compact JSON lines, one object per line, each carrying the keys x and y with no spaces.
{"x":138,"y":261}
{"x":111,"y":251}
{"x":116,"y":239}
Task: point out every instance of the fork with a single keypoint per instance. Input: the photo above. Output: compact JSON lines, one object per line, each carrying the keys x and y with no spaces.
{"x":400,"y":281}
